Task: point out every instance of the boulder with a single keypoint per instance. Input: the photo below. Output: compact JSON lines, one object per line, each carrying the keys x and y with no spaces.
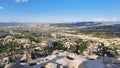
{"x":93,"y":57}
{"x":5,"y":59}
{"x":69,"y":63}
{"x":55,"y":52}
{"x":62,"y":61}
{"x":53,"y":65}
{"x":73,"y":63}
{"x":31,"y":65}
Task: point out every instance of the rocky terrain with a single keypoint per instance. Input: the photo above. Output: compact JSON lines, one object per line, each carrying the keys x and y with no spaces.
{"x":63,"y":59}
{"x":49,"y":46}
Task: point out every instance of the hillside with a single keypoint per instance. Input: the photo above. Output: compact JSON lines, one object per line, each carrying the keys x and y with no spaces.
{"x":74,"y":24}
{"x":103,"y":31}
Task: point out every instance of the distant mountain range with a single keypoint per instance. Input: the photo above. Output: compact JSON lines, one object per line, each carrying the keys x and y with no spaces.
{"x":11,"y":24}
{"x":116,"y":24}
{"x":74,"y":24}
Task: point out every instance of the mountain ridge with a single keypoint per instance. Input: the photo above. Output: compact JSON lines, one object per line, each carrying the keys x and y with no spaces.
{"x":72,"y":24}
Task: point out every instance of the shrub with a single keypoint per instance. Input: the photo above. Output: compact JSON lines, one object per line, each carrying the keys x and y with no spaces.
{"x":84,"y":46}
{"x":72,"y":48}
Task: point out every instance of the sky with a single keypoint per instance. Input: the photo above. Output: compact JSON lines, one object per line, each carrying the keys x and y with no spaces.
{"x":59,"y":11}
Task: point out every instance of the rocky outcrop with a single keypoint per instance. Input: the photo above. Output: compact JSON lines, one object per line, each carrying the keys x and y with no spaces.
{"x":13,"y":65}
{"x":112,"y":60}
{"x":112,"y":66}
{"x":92,"y":57}
{"x":53,"y":65}
{"x":91,"y":64}
{"x":64,"y":59}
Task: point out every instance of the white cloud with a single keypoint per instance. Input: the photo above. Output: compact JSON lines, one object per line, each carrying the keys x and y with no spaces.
{"x":21,"y":0}
{"x":107,"y":21}
{"x":104,"y":19}
{"x":1,"y":7}
{"x":114,"y":19}
{"x":99,"y":19}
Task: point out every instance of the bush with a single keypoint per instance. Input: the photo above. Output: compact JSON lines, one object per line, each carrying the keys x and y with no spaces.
{"x":58,"y":45}
{"x":10,"y":46}
{"x":48,"y":49}
{"x":72,"y":48}
{"x":84,"y":46}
